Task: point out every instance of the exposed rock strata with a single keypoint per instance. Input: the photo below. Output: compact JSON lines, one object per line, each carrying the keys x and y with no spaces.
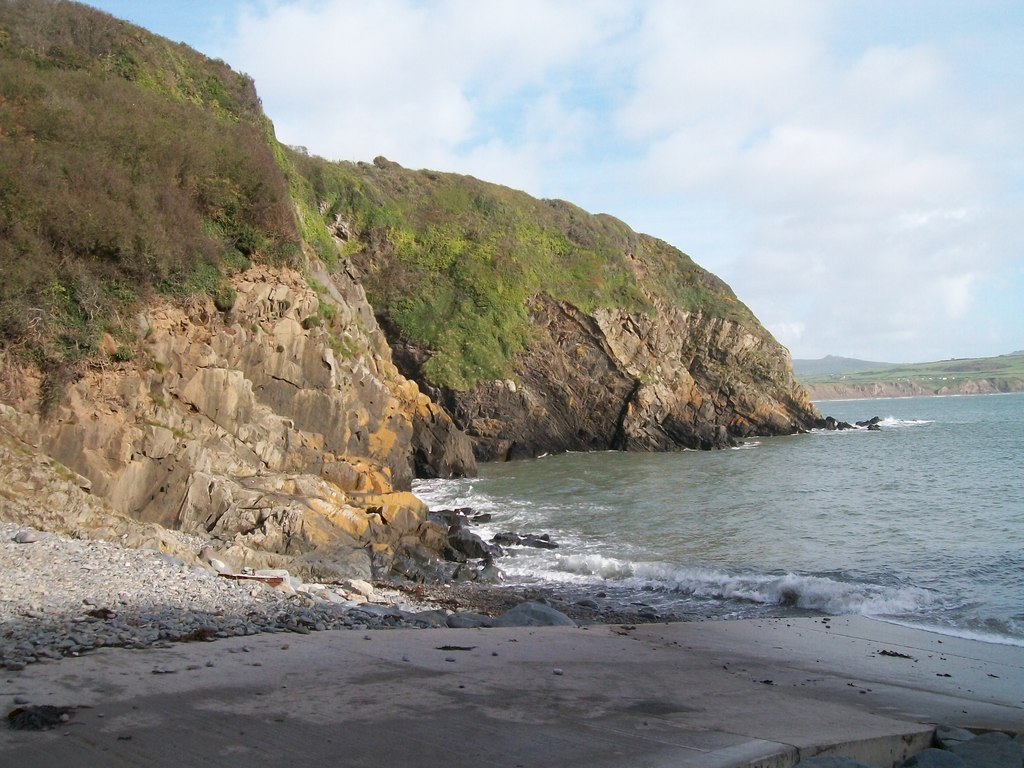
{"x":280,"y":427}
{"x":618,"y":380}
{"x":912,"y":388}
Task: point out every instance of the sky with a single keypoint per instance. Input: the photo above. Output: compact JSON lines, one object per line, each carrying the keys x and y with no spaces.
{"x":853,"y":169}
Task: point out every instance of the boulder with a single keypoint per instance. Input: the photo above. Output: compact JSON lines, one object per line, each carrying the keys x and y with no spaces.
{"x":507,"y":538}
{"x":934,"y":758}
{"x":469,"y":620}
{"x":466,"y":542}
{"x":948,"y":735}
{"x":533,"y":614}
{"x":990,"y":750}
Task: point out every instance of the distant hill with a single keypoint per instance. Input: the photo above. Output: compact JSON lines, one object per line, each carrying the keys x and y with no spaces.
{"x":835,"y":378}
{"x":830,"y":364}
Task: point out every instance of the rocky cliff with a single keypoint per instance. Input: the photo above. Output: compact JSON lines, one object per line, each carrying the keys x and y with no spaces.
{"x":279,"y":427}
{"x":596,"y":337}
{"x":187,"y":339}
{"x":170,"y":337}
{"x":620,"y":380}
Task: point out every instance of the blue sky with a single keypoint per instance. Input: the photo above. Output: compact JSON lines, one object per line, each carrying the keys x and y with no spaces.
{"x":854,"y":170}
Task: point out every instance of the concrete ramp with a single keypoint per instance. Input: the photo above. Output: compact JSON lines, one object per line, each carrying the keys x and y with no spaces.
{"x":745,"y":693}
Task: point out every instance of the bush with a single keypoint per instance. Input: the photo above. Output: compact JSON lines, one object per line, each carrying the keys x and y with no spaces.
{"x":127,"y":164}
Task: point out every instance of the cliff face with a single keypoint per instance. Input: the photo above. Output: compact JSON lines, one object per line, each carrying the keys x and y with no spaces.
{"x":184,"y":330}
{"x":168,"y":328}
{"x":617,"y":380}
{"x":279,"y":427}
{"x":542,"y":328}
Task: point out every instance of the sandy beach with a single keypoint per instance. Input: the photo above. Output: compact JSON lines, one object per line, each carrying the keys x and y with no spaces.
{"x":722,"y":693}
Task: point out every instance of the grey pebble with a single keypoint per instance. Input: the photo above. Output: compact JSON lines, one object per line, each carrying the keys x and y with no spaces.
{"x":62,"y":597}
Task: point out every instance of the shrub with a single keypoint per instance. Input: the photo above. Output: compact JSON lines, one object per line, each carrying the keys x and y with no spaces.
{"x":127,"y":164}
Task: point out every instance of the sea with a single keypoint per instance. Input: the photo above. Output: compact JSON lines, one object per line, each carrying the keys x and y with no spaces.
{"x":919,"y":523}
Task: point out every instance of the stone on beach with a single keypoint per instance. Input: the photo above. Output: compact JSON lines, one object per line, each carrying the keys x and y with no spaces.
{"x":947,"y":735}
{"x":469,"y":620}
{"x":533,"y":614}
{"x":934,"y":758}
{"x":990,"y":750}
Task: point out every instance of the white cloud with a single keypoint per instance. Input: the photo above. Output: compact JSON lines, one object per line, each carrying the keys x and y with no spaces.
{"x":424,"y":83}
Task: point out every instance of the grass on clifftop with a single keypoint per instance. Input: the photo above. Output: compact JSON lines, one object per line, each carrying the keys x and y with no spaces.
{"x":131,"y":165}
{"x":932,"y":375}
{"x":453,"y":261}
{"x":128,"y":165}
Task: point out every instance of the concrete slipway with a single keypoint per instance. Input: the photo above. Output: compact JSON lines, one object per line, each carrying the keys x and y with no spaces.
{"x":760,"y":693}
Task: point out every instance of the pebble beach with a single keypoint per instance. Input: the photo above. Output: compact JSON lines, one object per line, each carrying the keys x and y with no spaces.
{"x":63,"y":597}
{"x":276,"y":683}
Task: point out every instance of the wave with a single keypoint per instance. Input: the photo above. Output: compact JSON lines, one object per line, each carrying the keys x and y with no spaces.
{"x":746,"y":446}
{"x":892,"y":421}
{"x":791,"y":590}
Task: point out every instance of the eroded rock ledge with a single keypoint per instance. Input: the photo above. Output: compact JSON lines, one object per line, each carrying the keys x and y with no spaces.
{"x":628,"y":381}
{"x":280,"y":428}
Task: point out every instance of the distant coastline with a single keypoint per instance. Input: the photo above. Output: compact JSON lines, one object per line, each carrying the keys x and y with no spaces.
{"x":841,"y":378}
{"x":871,"y":390}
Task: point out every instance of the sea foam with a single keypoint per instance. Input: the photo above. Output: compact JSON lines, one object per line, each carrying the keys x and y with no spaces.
{"x":792,"y":590}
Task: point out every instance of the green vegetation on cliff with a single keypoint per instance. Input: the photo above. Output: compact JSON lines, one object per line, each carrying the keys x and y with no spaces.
{"x":453,"y":261}
{"x":131,"y":165}
{"x":128,"y":164}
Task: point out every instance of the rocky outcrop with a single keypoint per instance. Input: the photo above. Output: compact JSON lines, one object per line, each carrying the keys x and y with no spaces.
{"x":613,"y":379}
{"x":280,"y":428}
{"x":41,"y":493}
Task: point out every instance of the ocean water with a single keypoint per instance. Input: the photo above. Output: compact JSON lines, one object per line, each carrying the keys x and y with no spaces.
{"x":920,"y":523}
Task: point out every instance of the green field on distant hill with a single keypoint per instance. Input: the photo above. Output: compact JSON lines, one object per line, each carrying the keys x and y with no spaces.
{"x":1004,"y":366}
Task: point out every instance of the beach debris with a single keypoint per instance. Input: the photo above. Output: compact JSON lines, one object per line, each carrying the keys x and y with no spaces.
{"x":557,"y":671}
{"x":38,"y":718}
{"x":26,"y":537}
{"x":271,"y":580}
{"x":896,"y":655}
{"x":455,"y":647}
